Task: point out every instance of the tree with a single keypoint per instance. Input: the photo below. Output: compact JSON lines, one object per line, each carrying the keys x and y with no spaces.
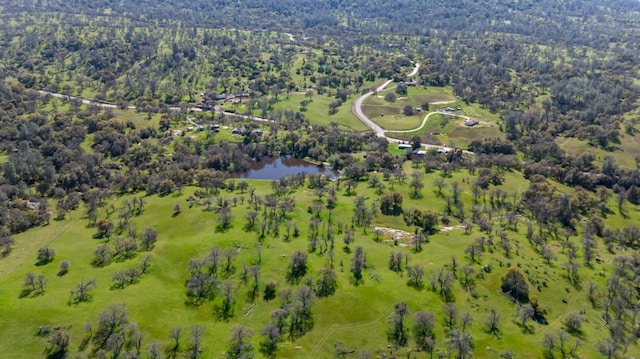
{"x":105,"y":227}
{"x":269,"y":345}
{"x":395,"y":261}
{"x":5,"y":244}
{"x":467,"y":280}
{"x":81,"y":293}
{"x":460,"y":342}
{"x":45,"y":255}
{"x":407,"y":110}
{"x":33,"y":284}
{"x":399,"y":333}
{"x":390,"y":97}
{"x":59,"y":342}
{"x":358,"y":263}
{"x":609,"y":348}
{"x":64,"y":267}
{"x":493,"y":321}
{"x":228,"y":299}
{"x":440,"y":184}
{"x":102,"y":256}
{"x":391,"y":204}
{"x":111,"y":325}
{"x":473,"y":251}
{"x":327,"y":283}
{"x":416,"y":184}
{"x":177,"y":209}
{"x":547,"y":253}
{"x":240,"y":346}
{"x":515,"y":284}
{"x":148,"y":239}
{"x":466,"y":320}
{"x":174,"y":335}
{"x":415,"y":274}
{"x":297,"y":266}
{"x":154,"y":351}
{"x":424,"y":322}
{"x":450,"y":311}
{"x":195,"y":349}
{"x":525,"y":313}
{"x":573,"y":321}
{"x":269,"y":291}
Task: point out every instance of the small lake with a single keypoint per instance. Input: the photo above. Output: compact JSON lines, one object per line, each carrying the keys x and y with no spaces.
{"x":279,"y":167}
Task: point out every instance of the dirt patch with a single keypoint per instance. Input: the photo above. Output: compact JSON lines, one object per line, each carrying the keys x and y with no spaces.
{"x":392,"y":234}
{"x":450,"y":228}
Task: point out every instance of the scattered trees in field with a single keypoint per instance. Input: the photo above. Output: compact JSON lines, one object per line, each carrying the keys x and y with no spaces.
{"x":33,"y":285}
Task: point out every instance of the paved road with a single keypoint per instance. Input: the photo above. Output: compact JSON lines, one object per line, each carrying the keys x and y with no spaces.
{"x":173,"y":108}
{"x":381,"y":132}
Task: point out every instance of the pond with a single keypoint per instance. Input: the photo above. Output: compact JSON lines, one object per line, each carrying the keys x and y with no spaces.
{"x":279,"y":167}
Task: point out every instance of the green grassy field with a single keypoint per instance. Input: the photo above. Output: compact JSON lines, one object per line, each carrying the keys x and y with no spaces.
{"x":452,"y":132}
{"x":318,"y":110}
{"x":625,"y":153}
{"x":355,"y":317}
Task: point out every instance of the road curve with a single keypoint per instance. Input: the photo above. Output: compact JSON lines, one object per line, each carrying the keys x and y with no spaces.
{"x":424,"y":121}
{"x":381,"y":132}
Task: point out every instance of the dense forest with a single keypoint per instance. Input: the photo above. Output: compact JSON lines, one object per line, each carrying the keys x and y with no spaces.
{"x":555,"y":233}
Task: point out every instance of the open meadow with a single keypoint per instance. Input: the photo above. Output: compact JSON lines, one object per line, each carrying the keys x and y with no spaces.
{"x":355,"y":318}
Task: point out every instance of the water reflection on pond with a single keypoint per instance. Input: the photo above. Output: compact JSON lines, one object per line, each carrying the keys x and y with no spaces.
{"x":279,"y":167}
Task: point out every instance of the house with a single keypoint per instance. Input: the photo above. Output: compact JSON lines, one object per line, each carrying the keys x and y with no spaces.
{"x":470,"y":122}
{"x":257,"y":131}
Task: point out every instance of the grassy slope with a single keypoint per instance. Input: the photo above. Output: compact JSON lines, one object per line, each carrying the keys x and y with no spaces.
{"x":625,"y":153}
{"x":355,"y":316}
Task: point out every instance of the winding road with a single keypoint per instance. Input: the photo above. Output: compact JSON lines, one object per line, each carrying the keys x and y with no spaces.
{"x":381,"y":132}
{"x":356,"y":109}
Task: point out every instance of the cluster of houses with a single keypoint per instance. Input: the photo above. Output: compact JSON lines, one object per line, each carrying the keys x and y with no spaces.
{"x":199,"y":128}
{"x":208,"y":101}
{"x":246,"y":131}
{"x":450,"y":109}
{"x":418,"y":152}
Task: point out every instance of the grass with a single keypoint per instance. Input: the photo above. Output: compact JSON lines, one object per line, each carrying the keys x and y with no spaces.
{"x":624,"y":153}
{"x":390,"y":116}
{"x":355,"y":317}
{"x":318,"y":110}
